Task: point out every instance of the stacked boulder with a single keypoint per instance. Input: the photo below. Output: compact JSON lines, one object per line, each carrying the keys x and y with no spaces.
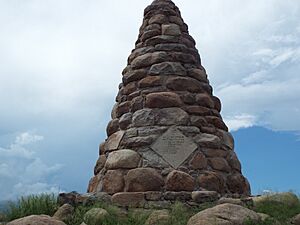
{"x":166,"y":135}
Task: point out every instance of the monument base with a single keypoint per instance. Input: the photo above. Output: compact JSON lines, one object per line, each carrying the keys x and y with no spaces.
{"x":151,"y":199}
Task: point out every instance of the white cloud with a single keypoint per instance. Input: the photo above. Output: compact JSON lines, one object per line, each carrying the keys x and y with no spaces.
{"x":240,"y":121}
{"x":27,"y":138}
{"x":22,"y":172}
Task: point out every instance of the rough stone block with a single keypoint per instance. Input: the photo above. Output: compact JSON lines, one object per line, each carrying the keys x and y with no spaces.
{"x":171,"y":116}
{"x":150,"y":81}
{"x":129,"y":199}
{"x":143,"y":179}
{"x":179,"y":181}
{"x":167,"y":68}
{"x":198,"y":161}
{"x":113,"y":181}
{"x":171,"y":29}
{"x":219,"y":164}
{"x":163,"y":100}
{"x":122,"y":159}
{"x":143,"y":117}
{"x":205,"y":196}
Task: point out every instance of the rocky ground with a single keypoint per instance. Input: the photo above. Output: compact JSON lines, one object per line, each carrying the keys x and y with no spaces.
{"x":283,"y":208}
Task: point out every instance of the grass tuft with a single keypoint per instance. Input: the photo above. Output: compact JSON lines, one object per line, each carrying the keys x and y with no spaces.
{"x":31,"y":205}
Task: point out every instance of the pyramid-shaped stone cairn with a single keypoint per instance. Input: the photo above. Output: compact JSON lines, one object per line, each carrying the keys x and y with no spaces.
{"x":166,"y":139}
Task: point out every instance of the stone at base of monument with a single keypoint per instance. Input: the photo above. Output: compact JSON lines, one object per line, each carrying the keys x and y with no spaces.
{"x":146,"y":200}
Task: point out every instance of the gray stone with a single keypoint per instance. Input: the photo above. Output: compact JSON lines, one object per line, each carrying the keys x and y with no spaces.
{"x":152,"y":159}
{"x":146,"y":131}
{"x":158,"y":205}
{"x":189,"y":131}
{"x":153,"y":195}
{"x":198,"y":74}
{"x":225,"y":214}
{"x":178,"y":195}
{"x":34,"y":220}
{"x":171,"y":116}
{"x":113,"y":181}
{"x":234,"y":162}
{"x":207,"y":140}
{"x":112,"y":127}
{"x":134,"y":75}
{"x":204,"y":100}
{"x":138,"y":52}
{"x":149,"y":59}
{"x":159,"y":19}
{"x":167,"y":68}
{"x":198,"y":121}
{"x":212,"y":153}
{"x":143,"y":117}
{"x":179,"y":181}
{"x":184,"y":84}
{"x":205,"y":196}
{"x":64,"y":212}
{"x":286,"y":198}
{"x":219,"y":164}
{"x":129,"y":199}
{"x":174,"y":147}
{"x":227,"y":139}
{"x":163,"y":100}
{"x":126,"y":159}
{"x":235,"y":201}
{"x":171,"y":29}
{"x":136,"y":142}
{"x":198,"y":161}
{"x":125,"y":120}
{"x":158,"y":217}
{"x":113,"y":141}
{"x":171,"y":47}
{"x":95,"y":216}
{"x":99,"y":164}
{"x":97,"y":197}
{"x":149,"y":34}
{"x":162,"y":39}
{"x":176,"y":19}
{"x":211,"y":181}
{"x":296,"y":220}
{"x":132,"y":132}
{"x":142,"y":180}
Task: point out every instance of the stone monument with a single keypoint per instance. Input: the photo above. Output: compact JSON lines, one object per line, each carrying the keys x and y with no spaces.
{"x":166,"y":139}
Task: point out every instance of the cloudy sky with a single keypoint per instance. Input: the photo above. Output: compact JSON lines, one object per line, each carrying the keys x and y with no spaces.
{"x":61,"y":63}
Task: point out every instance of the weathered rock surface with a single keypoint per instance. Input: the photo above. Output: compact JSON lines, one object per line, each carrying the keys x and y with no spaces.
{"x":287,"y":198}
{"x":158,"y":217}
{"x":34,"y":220}
{"x":225,"y":214}
{"x":129,"y":199}
{"x":205,"y":196}
{"x":296,"y":220}
{"x":122,"y":159}
{"x":113,"y":181}
{"x":64,"y":212}
{"x":95,"y":216}
{"x":143,"y":179}
{"x":180,"y":181}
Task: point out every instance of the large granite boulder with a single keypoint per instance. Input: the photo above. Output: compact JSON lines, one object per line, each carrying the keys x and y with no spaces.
{"x":225,"y":214}
{"x":36,"y":220}
{"x":95,"y":216}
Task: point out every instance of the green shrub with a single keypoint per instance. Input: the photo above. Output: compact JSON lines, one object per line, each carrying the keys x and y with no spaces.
{"x":32,"y":205}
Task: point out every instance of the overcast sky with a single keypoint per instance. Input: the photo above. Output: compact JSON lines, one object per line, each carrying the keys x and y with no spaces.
{"x":61,"y":63}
